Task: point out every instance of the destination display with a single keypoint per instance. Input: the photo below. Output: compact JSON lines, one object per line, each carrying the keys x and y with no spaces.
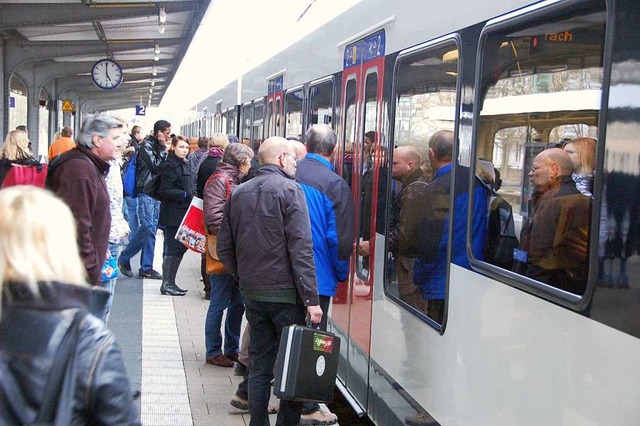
{"x":364,"y":50}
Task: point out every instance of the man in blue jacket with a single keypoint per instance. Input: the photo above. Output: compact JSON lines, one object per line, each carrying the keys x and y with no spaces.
{"x":332,"y":216}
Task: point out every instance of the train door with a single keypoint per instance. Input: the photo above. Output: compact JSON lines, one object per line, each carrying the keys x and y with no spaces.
{"x":274,"y":106}
{"x":362,"y":151}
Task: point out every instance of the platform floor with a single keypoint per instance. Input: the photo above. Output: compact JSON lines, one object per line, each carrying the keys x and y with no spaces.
{"x":162,"y":340}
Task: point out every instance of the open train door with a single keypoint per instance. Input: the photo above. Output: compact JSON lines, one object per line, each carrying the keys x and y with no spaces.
{"x":361,"y":105}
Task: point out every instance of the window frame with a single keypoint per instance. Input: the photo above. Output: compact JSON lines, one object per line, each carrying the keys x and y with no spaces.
{"x":542,"y":13}
{"x":455,"y":39}
{"x":315,"y":83}
{"x":285,"y":111}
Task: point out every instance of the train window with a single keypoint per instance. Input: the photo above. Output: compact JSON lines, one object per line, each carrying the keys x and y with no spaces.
{"x":349,"y":130}
{"x":370,"y":155}
{"x":256,"y":130}
{"x":231,"y":121}
{"x":425,"y":108}
{"x":293,"y":114}
{"x":246,"y":121}
{"x":535,"y":135}
{"x":321,"y":100}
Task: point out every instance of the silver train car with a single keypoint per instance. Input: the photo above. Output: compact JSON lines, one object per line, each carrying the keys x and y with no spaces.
{"x":510,"y":78}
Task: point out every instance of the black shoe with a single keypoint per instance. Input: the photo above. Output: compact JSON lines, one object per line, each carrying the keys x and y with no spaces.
{"x":125,"y":268}
{"x":239,"y":369}
{"x":207,"y":295}
{"x":151,"y":274}
{"x":170,"y":289}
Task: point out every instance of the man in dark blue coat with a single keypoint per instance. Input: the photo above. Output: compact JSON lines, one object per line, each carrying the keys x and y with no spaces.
{"x":332,"y":216}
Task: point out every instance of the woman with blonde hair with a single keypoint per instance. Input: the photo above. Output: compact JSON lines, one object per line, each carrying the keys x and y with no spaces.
{"x":583,"y":156}
{"x":45,"y":326}
{"x":15,"y":151}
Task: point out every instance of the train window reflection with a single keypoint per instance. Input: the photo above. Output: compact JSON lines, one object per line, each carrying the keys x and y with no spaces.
{"x":425,"y":97}
{"x":246,"y":121}
{"x":293,"y":114}
{"x":541,"y":92}
{"x":321,"y":100}
{"x":256,"y":126}
{"x":349,"y":131}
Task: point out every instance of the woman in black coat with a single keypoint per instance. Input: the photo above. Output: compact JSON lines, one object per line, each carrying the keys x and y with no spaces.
{"x":176,"y":192}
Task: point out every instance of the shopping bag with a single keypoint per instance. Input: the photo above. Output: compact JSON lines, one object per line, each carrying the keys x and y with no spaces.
{"x":192,"y":232}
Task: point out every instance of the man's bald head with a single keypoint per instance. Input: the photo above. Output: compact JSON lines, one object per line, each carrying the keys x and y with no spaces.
{"x":406,"y":159}
{"x":408,"y":153}
{"x":561,"y":159}
{"x":272,"y":148}
{"x":299,"y":148}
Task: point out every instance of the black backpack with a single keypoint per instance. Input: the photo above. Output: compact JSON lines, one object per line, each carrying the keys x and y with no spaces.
{"x":501,"y":232}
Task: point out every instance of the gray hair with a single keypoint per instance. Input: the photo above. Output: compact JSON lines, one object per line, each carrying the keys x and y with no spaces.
{"x":99,"y":124}
{"x":237,"y":154}
{"x":321,"y":139}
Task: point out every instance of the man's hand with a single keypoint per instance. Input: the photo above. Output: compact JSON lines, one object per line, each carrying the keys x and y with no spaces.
{"x":315,"y":314}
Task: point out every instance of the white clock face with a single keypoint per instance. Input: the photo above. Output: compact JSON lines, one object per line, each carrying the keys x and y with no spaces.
{"x":106,"y":74}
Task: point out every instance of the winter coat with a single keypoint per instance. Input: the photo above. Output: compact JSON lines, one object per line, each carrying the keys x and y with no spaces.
{"x":215,"y":194}
{"x":207,"y":168}
{"x":332,"y":216}
{"x":176,"y":190}
{"x":265,"y":236}
{"x":31,"y":330}
{"x":150,"y":156}
{"x":78,"y":177}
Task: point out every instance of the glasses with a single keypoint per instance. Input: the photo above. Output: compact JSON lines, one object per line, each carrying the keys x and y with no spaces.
{"x":295,"y":159}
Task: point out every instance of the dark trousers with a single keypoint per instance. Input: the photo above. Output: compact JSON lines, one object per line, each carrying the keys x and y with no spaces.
{"x":312,"y":407}
{"x":173,"y":247}
{"x":267,"y":320}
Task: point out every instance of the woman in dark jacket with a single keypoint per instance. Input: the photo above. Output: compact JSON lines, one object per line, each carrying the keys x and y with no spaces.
{"x":225,"y":294}
{"x":42,"y":285}
{"x":176,"y":192}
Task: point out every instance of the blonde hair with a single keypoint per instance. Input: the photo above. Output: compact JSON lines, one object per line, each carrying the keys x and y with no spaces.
{"x":586,"y":152}
{"x":37,"y":239}
{"x":16,"y":146}
{"x":220,"y":140}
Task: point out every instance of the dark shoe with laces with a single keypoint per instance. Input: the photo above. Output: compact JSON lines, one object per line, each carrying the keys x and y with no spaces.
{"x":150,"y":274}
{"x":125,"y":268}
{"x":232,"y":357}
{"x":220,"y":360}
{"x":239,"y":369}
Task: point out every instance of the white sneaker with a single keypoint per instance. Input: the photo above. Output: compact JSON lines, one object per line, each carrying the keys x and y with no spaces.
{"x":318,"y":417}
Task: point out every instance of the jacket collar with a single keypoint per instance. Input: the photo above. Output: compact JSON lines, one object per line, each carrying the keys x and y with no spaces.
{"x":53,"y":296}
{"x":101,"y":165}
{"x":413,"y":176}
{"x":320,"y":159}
{"x":268,"y":168}
{"x":232,"y":171}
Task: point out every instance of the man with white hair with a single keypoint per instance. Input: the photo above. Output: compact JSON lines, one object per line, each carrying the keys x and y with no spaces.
{"x":265,"y":243}
{"x":77,"y":176}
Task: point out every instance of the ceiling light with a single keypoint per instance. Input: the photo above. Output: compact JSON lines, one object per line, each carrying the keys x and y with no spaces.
{"x":153,"y":83}
{"x":150,"y":90}
{"x":162,"y":16}
{"x":154,"y":72}
{"x":156,"y":49}
{"x":161,"y":28}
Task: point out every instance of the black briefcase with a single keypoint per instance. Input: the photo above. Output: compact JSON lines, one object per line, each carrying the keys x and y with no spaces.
{"x":307,"y":364}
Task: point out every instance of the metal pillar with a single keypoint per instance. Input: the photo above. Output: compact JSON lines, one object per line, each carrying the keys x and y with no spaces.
{"x":4,"y":95}
{"x":33,"y":110}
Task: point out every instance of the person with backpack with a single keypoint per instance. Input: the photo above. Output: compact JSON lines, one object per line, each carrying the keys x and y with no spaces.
{"x":17,"y":164}
{"x":59,"y":364}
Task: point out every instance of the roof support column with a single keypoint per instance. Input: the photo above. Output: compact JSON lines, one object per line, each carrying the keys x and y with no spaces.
{"x":54,"y":110}
{"x":33,"y":109}
{"x":4,"y":96}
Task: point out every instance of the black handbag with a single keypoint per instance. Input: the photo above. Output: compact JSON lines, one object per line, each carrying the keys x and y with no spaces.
{"x":57,"y":403}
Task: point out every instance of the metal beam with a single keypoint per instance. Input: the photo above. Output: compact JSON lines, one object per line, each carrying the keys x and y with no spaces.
{"x":20,"y":15}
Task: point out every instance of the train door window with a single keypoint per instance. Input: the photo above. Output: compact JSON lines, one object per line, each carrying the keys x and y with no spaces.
{"x":276,"y":121}
{"x":246,"y":121}
{"x":349,"y":131}
{"x":293,"y":114}
{"x":369,"y":154}
{"x":540,"y":87}
{"x":425,"y":109}
{"x":231,"y":121}
{"x":256,"y":126}
{"x":321,"y":101}
{"x":269,"y":119}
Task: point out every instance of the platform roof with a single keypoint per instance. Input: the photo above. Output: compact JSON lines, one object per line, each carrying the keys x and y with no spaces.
{"x":60,"y":40}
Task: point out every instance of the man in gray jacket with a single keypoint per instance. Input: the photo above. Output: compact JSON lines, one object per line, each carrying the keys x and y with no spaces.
{"x":265,"y":243}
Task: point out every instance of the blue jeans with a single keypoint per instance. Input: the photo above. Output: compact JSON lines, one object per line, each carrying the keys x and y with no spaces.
{"x":224,"y":294}
{"x":131,"y":206}
{"x":266,"y":320}
{"x":145,"y":238}
{"x":114,"y":249}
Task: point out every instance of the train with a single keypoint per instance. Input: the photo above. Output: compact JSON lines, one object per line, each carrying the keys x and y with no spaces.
{"x":509,"y":78}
